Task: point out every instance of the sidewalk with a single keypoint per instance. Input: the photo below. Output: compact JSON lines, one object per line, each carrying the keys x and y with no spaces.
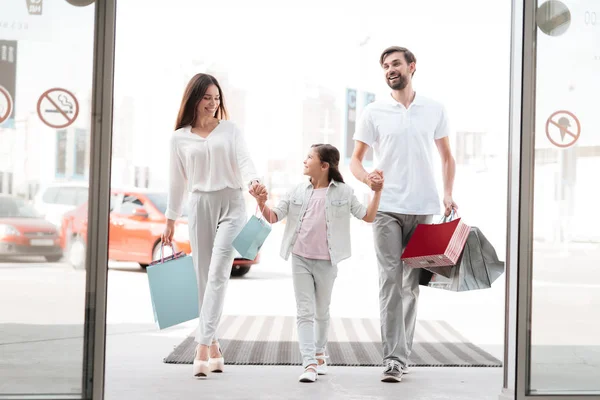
{"x":134,"y":371}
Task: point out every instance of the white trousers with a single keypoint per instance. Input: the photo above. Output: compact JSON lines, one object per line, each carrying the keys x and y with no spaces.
{"x":313,"y":285}
{"x":215,"y":219}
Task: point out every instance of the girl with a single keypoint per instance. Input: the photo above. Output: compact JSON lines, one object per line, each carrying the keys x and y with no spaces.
{"x":210,"y":161}
{"x":317,"y":235}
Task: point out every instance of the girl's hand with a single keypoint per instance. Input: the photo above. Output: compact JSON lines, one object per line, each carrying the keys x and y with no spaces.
{"x":380,"y":182}
{"x":374,"y":180}
{"x":259,"y":192}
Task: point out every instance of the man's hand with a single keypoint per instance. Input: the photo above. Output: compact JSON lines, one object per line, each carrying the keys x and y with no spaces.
{"x":375,"y":180}
{"x":449,"y":205}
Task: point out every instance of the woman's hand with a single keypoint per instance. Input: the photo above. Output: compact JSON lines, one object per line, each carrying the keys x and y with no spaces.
{"x":167,"y":236}
{"x":259,"y":192}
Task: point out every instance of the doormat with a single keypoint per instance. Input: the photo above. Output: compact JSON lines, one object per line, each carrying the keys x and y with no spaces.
{"x":273,"y":340}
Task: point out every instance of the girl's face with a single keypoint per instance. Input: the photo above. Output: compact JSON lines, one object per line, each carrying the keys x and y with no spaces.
{"x":207,"y":107}
{"x":313,"y":166}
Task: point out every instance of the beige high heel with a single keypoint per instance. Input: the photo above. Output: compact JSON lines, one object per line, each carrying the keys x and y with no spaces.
{"x":200,"y":368}
{"x":217,"y":364}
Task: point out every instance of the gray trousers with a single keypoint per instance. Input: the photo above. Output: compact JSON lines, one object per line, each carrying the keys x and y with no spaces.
{"x":215,"y":219}
{"x":313,"y":284}
{"x":398,"y":286}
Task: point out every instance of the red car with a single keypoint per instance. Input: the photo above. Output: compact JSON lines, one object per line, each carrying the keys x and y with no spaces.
{"x":137,"y":220}
{"x":24,"y":233}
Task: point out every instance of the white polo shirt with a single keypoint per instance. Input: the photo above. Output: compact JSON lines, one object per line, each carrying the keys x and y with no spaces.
{"x":403,"y":143}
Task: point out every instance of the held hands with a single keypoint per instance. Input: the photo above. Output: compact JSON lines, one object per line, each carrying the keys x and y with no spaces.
{"x":259,"y":192}
{"x":375,"y":180}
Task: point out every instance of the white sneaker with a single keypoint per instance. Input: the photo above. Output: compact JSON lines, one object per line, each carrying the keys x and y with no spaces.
{"x":322,"y":368}
{"x":309,"y":375}
{"x":392,"y":371}
{"x":405,"y":370}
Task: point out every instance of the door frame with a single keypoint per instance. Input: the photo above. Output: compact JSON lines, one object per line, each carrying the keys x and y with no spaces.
{"x":99,"y":201}
{"x":517,"y":346}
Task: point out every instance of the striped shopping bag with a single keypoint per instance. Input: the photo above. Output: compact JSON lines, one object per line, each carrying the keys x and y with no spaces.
{"x":436,"y":245}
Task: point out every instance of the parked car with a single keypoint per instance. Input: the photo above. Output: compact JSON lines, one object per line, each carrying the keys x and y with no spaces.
{"x":54,"y":200}
{"x":137,"y":220}
{"x":24,"y":233}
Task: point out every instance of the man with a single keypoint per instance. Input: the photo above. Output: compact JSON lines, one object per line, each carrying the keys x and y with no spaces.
{"x":402,"y":129}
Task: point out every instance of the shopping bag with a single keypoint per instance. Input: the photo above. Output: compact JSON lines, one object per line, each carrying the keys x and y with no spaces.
{"x":436,"y":245}
{"x":173,"y":289}
{"x":477,"y":268}
{"x":251,"y":238}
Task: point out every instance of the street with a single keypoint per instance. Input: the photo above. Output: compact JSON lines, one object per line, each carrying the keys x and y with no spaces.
{"x":43,"y":305}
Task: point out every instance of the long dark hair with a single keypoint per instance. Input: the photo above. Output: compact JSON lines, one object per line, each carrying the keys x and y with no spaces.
{"x":194,"y":92}
{"x":330,"y":155}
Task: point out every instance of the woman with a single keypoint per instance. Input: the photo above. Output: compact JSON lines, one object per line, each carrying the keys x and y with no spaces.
{"x":209,"y":159}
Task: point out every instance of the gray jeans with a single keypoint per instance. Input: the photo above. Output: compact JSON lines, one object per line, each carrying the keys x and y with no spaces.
{"x":398,"y":286}
{"x":313,"y":284}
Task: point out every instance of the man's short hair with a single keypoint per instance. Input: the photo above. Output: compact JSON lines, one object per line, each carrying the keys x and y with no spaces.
{"x":408,"y":55}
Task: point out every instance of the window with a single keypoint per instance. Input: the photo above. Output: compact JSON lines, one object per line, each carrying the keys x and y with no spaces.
{"x":10,"y":183}
{"x":141,"y":176}
{"x":81,"y":144}
{"x":50,"y":195}
{"x":160,"y":202}
{"x":61,"y":153}
{"x":67,"y":196}
{"x":469,"y":148}
{"x":81,"y":196}
{"x":115,"y":201}
{"x":130,"y":204}
{"x":15,"y":207}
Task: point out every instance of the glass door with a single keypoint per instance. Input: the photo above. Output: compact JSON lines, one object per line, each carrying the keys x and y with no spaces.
{"x":565,"y":296}
{"x":554,"y":239}
{"x":55,"y":104}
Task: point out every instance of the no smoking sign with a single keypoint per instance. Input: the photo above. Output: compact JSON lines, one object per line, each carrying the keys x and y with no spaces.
{"x":6,"y":104}
{"x":58,"y":108}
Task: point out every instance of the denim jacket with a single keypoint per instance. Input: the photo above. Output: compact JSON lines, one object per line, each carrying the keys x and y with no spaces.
{"x":340,"y":202}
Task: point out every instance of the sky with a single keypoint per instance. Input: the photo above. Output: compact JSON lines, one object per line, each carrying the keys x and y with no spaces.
{"x":273,"y":49}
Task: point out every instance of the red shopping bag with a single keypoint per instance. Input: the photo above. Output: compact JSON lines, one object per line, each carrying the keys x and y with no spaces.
{"x":436,"y":245}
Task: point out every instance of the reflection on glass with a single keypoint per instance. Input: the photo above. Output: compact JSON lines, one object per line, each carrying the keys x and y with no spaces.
{"x":565,"y":329}
{"x":42,"y":297}
{"x":61,"y":153}
{"x":81,"y":148}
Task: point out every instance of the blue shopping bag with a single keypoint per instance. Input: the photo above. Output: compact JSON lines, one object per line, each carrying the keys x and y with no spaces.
{"x":249,"y":241}
{"x":173,"y":289}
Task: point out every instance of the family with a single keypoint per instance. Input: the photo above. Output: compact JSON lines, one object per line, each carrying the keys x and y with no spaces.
{"x":210,"y":161}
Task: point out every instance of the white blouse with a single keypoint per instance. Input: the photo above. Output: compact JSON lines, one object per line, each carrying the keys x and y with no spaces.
{"x":219,"y":161}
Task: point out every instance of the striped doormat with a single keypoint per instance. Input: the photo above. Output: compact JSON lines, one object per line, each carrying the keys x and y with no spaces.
{"x":273,"y":340}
